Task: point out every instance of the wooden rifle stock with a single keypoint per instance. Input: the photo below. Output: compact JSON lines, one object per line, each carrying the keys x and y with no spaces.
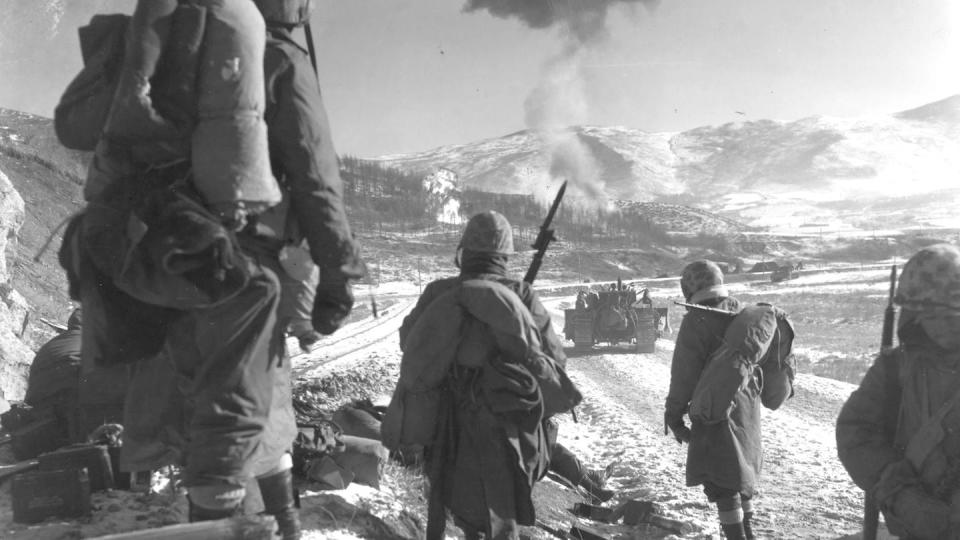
{"x":871,"y":511}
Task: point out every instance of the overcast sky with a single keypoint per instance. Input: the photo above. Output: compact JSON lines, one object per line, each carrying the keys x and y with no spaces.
{"x":408,"y":75}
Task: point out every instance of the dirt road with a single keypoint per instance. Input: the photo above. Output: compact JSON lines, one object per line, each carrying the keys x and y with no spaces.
{"x":805,"y":492}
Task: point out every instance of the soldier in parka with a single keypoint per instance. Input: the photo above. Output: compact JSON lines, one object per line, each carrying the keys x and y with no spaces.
{"x":898,"y":434}
{"x":482,"y":254}
{"x":724,"y":458}
{"x":312,"y":212}
{"x":229,"y":358}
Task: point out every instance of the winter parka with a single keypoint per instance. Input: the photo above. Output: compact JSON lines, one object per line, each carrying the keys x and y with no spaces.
{"x":876,"y":442}
{"x":550,"y":343}
{"x":304,"y":161}
{"x":472,"y":351}
{"x":728,"y":454}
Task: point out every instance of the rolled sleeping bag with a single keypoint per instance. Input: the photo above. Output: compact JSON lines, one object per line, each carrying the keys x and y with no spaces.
{"x":777,"y":366}
{"x":229,"y":151}
{"x":731,"y":367}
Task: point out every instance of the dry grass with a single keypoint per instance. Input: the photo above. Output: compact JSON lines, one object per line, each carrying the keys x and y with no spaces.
{"x":838,"y":323}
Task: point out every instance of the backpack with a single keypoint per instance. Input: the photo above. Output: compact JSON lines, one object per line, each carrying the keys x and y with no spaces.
{"x":756,"y":349}
{"x":79,"y":117}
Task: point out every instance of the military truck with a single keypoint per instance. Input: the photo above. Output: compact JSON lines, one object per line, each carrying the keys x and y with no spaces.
{"x":614,"y":317}
{"x":783,"y":273}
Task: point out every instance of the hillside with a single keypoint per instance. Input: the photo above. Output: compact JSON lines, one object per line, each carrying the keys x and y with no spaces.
{"x":48,"y":177}
{"x":901,"y":168}
{"x":814,"y":188}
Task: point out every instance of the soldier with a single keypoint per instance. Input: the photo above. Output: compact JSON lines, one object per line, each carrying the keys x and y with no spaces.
{"x":581,"y":302}
{"x":55,"y":374}
{"x":229,"y":356}
{"x":725,"y":458}
{"x":482,"y":254}
{"x":305,"y":163}
{"x":898,"y":434}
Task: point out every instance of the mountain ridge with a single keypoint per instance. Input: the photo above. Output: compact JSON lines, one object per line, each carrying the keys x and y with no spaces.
{"x":817,"y":163}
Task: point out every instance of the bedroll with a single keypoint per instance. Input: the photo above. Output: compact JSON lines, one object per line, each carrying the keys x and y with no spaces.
{"x":178,"y":80}
{"x":754,"y":357}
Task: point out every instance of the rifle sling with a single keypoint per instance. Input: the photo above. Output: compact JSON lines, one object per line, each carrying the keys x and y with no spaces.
{"x":930,"y":434}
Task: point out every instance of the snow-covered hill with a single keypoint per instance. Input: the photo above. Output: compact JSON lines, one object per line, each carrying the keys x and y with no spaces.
{"x":899,"y":170}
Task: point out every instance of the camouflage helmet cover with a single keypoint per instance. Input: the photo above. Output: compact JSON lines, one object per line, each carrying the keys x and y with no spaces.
{"x":285,"y":12}
{"x":488,"y":232}
{"x":930,"y":281}
{"x":702,"y":280}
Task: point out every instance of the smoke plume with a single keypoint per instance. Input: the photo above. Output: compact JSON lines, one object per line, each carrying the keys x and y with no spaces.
{"x":584,"y":20}
{"x":558,"y":102}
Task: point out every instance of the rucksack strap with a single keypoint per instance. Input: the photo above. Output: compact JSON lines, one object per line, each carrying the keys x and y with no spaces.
{"x":930,"y":434}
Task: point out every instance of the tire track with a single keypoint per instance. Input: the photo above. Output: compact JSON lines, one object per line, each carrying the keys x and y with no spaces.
{"x":353,"y":339}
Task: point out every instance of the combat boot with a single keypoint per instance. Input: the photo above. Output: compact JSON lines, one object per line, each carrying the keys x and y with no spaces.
{"x":733,"y":531}
{"x":280,"y":501}
{"x":199,"y":513}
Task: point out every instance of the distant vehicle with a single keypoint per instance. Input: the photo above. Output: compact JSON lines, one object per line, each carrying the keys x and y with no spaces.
{"x":783,"y":273}
{"x":614,"y":317}
{"x":730,"y":267}
{"x":768,"y":266}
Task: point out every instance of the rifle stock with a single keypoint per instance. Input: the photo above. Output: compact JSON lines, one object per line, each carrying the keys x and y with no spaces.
{"x":544,"y":237}
{"x":871,"y":511}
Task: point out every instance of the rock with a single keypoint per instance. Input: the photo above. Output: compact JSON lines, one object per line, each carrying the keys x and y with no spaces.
{"x":11,"y":219}
{"x":15,"y":355}
{"x":360,"y":511}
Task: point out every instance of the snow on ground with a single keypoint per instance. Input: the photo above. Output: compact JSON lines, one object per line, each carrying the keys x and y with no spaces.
{"x":805,"y":492}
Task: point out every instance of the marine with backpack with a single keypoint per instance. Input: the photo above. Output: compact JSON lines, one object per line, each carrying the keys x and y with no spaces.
{"x":173,"y":98}
{"x":729,"y":361}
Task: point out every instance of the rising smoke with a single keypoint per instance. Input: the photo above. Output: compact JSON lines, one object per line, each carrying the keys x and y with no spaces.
{"x":559,"y":99}
{"x":584,"y":20}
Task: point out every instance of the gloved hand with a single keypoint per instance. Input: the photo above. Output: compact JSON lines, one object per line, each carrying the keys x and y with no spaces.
{"x":909,"y":510}
{"x":332,"y":305}
{"x":680,"y":430}
{"x":912,"y":513}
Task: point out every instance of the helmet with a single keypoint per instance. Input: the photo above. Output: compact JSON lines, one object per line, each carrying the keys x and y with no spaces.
{"x":930,"y":280}
{"x":285,"y":12}
{"x":488,"y":232}
{"x":702,"y":280}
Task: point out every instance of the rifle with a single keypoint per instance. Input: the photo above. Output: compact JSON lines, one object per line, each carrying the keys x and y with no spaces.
{"x":706,"y":308}
{"x":544,"y":237}
{"x":871,"y":512}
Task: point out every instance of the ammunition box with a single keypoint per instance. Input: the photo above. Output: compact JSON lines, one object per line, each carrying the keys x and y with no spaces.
{"x":95,"y":458}
{"x":40,"y":436}
{"x":41,"y":494}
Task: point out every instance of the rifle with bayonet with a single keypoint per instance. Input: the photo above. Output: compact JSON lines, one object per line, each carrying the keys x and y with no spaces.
{"x":871,"y":512}
{"x":544,"y":237}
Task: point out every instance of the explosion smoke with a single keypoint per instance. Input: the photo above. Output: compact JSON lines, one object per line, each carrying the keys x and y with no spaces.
{"x":584,"y":20}
{"x":558,"y":102}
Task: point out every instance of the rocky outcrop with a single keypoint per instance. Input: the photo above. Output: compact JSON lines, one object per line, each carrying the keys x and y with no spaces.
{"x":15,"y":355}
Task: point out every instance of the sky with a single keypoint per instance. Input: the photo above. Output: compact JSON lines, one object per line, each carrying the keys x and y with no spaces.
{"x":408,"y":75}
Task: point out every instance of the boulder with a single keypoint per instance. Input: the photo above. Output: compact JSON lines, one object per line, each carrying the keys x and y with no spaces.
{"x":15,"y":355}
